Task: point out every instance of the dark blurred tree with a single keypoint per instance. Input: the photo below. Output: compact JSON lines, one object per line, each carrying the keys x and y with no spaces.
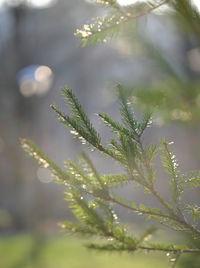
{"x":14,"y":108}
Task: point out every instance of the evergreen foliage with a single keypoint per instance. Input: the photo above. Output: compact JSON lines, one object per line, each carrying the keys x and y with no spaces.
{"x":91,"y":196}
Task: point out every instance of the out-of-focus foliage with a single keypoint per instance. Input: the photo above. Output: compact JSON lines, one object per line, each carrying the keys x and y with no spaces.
{"x":170,"y":96}
{"x":170,"y":99}
{"x":104,"y":28}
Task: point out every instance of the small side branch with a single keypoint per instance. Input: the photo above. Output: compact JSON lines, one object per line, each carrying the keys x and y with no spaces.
{"x":197,"y":251}
{"x":145,"y":212}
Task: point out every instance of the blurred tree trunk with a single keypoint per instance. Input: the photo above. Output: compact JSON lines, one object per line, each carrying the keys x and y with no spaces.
{"x":16,"y":113}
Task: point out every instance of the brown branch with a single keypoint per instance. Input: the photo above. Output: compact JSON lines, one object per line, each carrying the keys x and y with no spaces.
{"x":145,"y":211}
{"x":149,"y":10}
{"x":153,"y":248}
{"x":169,"y":250}
{"x":160,"y":199}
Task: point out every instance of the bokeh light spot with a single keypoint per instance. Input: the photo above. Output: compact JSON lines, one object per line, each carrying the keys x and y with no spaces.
{"x":35,"y":80}
{"x":44,"y":175}
{"x":193,"y":57}
{"x":2,"y":145}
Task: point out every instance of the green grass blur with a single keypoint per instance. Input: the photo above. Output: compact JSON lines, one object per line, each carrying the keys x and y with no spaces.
{"x":26,"y":251}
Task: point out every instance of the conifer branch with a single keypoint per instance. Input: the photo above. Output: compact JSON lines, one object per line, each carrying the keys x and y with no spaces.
{"x":89,"y":193}
{"x":110,"y":25}
{"x":44,"y":161}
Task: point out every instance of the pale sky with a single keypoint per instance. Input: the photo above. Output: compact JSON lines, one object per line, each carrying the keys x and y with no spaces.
{"x":128,"y":2}
{"x":45,"y":3}
{"x":34,"y":3}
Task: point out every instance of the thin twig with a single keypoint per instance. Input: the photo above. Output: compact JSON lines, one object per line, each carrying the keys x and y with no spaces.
{"x":169,"y":250}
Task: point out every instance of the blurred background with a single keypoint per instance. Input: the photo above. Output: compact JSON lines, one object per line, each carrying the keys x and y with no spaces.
{"x":39,"y":56}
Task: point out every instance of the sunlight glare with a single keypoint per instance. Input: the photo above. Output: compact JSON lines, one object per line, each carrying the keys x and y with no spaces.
{"x":35,"y":80}
{"x":40,"y":3}
{"x":44,"y":175}
{"x":31,"y":3}
{"x":130,"y":2}
{"x":127,"y":2}
{"x":1,"y":3}
{"x":197,"y":4}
